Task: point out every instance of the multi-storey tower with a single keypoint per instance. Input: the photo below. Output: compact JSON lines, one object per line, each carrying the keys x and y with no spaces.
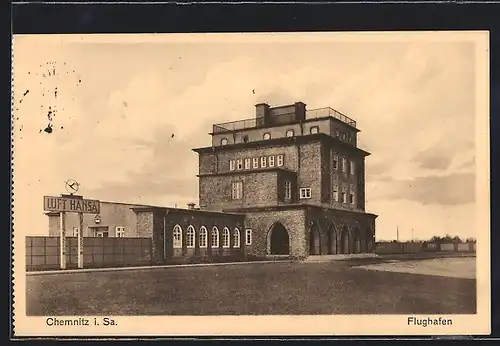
{"x":297,"y":174}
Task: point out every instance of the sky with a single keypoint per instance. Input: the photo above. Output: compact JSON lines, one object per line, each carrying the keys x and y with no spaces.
{"x":128,"y":110}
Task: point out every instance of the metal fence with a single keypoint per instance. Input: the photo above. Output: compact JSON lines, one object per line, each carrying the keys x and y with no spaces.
{"x":43,"y":253}
{"x":416,"y":247}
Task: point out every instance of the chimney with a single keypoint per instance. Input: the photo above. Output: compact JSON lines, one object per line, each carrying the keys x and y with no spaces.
{"x":261,"y":113}
{"x":191,"y":206}
{"x":300,"y":111}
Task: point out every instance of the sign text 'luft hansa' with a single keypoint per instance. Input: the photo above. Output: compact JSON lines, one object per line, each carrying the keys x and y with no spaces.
{"x":71,"y":205}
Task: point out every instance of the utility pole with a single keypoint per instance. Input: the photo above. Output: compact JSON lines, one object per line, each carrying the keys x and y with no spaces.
{"x":412,"y":239}
{"x":397,"y":234}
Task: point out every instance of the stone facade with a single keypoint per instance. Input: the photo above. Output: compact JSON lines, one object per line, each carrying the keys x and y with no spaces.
{"x":322,"y":212}
{"x":285,"y":184}
{"x":160,"y":223}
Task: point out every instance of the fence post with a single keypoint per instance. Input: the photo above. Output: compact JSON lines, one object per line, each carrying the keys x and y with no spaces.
{"x":80,"y":241}
{"x":62,"y":239}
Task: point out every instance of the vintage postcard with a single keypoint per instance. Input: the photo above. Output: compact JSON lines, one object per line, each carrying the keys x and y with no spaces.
{"x":251,"y":184}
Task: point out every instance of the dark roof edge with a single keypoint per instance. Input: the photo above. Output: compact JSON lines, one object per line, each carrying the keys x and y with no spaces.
{"x":185,"y":211}
{"x":281,"y":141}
{"x":298,"y":207}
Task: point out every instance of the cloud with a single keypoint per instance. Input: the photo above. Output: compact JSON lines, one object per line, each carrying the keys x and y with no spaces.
{"x":413,"y":102}
{"x":431,"y":160}
{"x":168,"y":171}
{"x":449,"y":190}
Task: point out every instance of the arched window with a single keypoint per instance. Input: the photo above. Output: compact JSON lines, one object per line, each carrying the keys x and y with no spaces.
{"x":203,"y":237}
{"x":289,"y":133}
{"x":215,"y":237}
{"x":314,"y":129}
{"x":177,"y":236}
{"x":266,"y":135}
{"x":236,"y":238}
{"x":223,"y":141}
{"x":226,"y":237}
{"x":190,"y":237}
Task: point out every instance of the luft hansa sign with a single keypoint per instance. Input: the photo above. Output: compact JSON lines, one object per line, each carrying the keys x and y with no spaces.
{"x":71,"y":205}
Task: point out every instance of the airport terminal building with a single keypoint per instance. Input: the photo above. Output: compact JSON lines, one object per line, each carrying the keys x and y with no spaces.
{"x":288,"y":182}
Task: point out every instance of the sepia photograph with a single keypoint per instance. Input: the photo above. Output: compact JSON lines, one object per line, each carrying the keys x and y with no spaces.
{"x":238,"y":184}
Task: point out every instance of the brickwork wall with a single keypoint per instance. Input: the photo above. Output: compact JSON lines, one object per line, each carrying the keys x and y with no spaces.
{"x":261,"y":223}
{"x":163,"y":224}
{"x":145,"y":224}
{"x":259,"y":189}
{"x":331,"y":223}
{"x":222,"y":159}
{"x":346,"y":181}
{"x":309,"y":174}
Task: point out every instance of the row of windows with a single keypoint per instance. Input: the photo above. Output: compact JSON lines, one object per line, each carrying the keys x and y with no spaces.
{"x":352,"y":197}
{"x":278,"y":161}
{"x":344,"y":164}
{"x":214,"y":237}
{"x":119,"y":232}
{"x":267,"y":135}
{"x":257,"y":162}
{"x":306,"y":193}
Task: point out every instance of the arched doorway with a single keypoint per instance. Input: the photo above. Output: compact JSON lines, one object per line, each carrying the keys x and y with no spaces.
{"x":344,"y":240}
{"x":314,"y":240}
{"x":332,"y":240}
{"x":357,"y":240}
{"x":279,"y":240}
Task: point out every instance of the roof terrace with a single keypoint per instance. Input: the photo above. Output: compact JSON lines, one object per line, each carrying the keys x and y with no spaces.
{"x":283,"y":118}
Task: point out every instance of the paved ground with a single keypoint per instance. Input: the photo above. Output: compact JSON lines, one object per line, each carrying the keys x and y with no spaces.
{"x":449,"y":267}
{"x":251,"y":289}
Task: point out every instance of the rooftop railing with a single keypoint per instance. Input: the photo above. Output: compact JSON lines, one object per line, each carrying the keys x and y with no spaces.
{"x":283,"y":119}
{"x":329,"y":112}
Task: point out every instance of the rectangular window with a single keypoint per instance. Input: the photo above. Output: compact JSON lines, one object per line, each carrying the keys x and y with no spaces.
{"x":305,"y":193}
{"x":335,"y":193}
{"x":279,"y":160}
{"x":120,"y":232}
{"x":232,"y":165}
{"x":263,"y":162}
{"x":237,"y":190}
{"x":344,"y":164}
{"x":344,"y":197}
{"x":248,"y":236}
{"x":76,"y":231}
{"x":335,"y":162}
{"x":102,"y":234}
{"x":247,"y":163}
{"x":255,"y":162}
{"x":288,"y":189}
{"x":271,"y":161}
{"x":352,"y":168}
{"x":239,"y":164}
